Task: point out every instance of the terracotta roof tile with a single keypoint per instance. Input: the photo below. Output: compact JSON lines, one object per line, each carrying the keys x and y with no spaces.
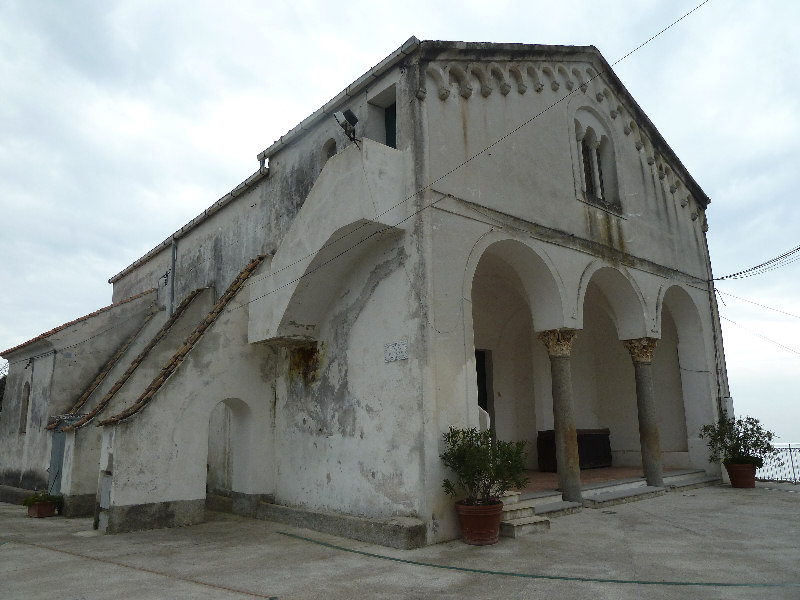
{"x":76,"y":321}
{"x":130,"y":370}
{"x":187,"y":346}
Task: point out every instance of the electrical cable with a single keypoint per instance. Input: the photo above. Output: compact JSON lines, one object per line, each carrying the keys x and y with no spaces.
{"x":782,"y":260}
{"x":783,"y":312}
{"x":763,"y":337}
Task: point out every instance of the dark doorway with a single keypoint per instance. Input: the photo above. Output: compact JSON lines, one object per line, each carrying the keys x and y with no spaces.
{"x":483,"y":367}
{"x":390,"y":123}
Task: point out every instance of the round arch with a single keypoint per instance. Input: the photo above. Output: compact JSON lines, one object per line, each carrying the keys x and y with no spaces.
{"x":695,"y":380}
{"x":229,"y":437}
{"x":537,"y":274}
{"x":512,"y":292}
{"x":623,"y":297}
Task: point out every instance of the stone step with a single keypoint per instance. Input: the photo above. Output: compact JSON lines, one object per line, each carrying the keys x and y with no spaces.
{"x":630,"y":483}
{"x":511,"y":497}
{"x":690,"y":482}
{"x":558,"y":509}
{"x":518,"y":510}
{"x":601,"y":499}
{"x":517,"y":527}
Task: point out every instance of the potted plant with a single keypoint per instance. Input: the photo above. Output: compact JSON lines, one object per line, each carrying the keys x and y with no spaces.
{"x":42,"y":504}
{"x":742,"y":445}
{"x":485,"y":468}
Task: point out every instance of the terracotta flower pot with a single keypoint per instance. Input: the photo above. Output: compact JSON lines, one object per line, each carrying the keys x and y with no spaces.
{"x":480,"y":524}
{"x":742,"y":476}
{"x":42,"y":509}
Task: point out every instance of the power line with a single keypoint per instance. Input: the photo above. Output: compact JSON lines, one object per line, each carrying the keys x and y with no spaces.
{"x":763,"y":337}
{"x":778,"y":262}
{"x":783,"y":312}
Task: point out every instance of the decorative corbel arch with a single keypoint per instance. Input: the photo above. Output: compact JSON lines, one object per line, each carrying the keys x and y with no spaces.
{"x":482,"y":77}
{"x":439,"y":78}
{"x":516,"y":73}
{"x":562,"y":70}
{"x":533,"y":73}
{"x":551,"y":76}
{"x":499,"y":76}
{"x":459,"y":76}
{"x":581,"y":81}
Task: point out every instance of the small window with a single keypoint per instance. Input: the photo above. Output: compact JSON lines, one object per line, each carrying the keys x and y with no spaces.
{"x":23,"y":408}
{"x":328,"y":150}
{"x":596,"y":171}
{"x":390,"y":124}
{"x":381,"y":124}
{"x":588,"y":169}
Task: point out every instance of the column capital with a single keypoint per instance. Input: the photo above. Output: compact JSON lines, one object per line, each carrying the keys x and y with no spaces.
{"x":558,"y":341}
{"x":641,"y":349}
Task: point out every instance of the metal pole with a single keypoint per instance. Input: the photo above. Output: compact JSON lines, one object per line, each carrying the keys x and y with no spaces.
{"x":172,"y":276}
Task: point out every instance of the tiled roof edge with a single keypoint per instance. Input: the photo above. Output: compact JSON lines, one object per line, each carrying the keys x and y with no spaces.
{"x":87,"y":418}
{"x":76,"y":321}
{"x":187,"y":346}
{"x":103,"y":373}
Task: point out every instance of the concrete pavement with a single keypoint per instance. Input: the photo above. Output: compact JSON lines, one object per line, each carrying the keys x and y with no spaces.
{"x":680,"y":545}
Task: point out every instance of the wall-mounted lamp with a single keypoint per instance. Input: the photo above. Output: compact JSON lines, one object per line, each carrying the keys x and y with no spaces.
{"x":347,"y":120}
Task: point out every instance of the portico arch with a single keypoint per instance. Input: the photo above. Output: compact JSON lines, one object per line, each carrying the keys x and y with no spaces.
{"x":612,"y":309}
{"x":513,"y":293}
{"x":685,"y":378}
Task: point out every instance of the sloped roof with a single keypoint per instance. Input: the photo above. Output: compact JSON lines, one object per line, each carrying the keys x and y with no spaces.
{"x":179,"y":356}
{"x":76,"y":321}
{"x":128,"y":372}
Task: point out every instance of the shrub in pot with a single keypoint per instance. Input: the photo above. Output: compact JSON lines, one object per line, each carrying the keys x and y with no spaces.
{"x":485,"y":468}
{"x":741,"y":445}
{"x":42,"y":504}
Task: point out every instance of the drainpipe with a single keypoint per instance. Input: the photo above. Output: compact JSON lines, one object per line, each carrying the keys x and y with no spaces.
{"x":172,"y":272}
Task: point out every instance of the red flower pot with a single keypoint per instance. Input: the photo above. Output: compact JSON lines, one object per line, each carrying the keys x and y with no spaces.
{"x":42,"y":509}
{"x":480,"y":524}
{"x":742,"y":476}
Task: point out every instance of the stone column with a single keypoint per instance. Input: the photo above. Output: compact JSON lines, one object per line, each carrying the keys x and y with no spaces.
{"x":559,"y":347}
{"x":641,"y":351}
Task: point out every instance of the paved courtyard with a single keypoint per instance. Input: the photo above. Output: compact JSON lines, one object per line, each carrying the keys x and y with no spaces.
{"x":712,"y":542}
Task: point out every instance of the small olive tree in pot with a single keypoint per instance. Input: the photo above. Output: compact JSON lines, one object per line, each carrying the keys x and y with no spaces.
{"x":485,"y":468}
{"x":741,"y":445}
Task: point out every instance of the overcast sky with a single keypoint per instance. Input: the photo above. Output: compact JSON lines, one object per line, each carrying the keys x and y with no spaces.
{"x":121,"y":121}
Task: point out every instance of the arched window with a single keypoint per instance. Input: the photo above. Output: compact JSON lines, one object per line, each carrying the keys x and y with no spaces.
{"x":23,"y":408}
{"x":328,"y":150}
{"x":597,"y":171}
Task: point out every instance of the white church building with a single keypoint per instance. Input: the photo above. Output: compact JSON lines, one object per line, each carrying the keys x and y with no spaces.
{"x":504,"y":240}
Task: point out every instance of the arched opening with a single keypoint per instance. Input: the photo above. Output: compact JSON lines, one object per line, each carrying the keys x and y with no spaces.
{"x":23,"y":408}
{"x":328,"y":150}
{"x":229,"y":433}
{"x":604,"y":386}
{"x":596,"y":170}
{"x":511,"y":287}
{"x":693,"y":381}
{"x":668,"y":390}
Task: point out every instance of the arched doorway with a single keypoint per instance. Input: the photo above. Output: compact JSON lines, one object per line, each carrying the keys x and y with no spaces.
{"x":229,"y":437}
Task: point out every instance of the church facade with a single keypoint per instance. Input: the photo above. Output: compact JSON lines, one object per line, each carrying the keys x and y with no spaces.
{"x":503,"y":240}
